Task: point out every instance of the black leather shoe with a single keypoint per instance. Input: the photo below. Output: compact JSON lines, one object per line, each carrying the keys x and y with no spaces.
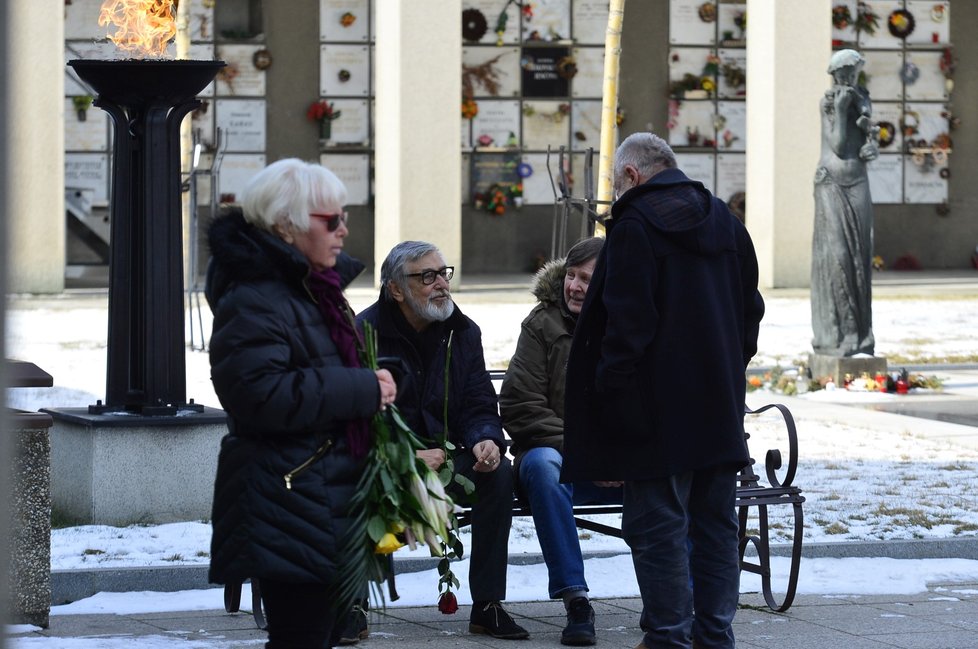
{"x":580,"y":623}
{"x":489,"y":618}
{"x":354,"y":627}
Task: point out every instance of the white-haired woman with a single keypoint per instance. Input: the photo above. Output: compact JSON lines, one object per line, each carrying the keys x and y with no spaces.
{"x":285,"y":366}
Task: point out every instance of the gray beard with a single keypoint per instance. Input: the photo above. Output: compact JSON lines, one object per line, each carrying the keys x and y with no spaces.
{"x":429,"y":310}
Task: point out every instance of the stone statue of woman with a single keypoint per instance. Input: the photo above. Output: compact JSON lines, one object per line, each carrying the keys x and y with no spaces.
{"x":842,"y":247}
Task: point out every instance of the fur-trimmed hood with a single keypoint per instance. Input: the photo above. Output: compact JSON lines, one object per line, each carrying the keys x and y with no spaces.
{"x":548,"y":283}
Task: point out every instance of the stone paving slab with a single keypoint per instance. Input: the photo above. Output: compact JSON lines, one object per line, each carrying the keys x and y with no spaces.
{"x":944,"y":617}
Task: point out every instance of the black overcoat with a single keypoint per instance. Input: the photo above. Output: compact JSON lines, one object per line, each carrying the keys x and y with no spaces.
{"x":655,"y":378}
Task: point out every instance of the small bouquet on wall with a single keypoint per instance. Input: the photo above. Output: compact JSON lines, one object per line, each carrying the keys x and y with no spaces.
{"x":399,"y":501}
{"x":322,"y":111}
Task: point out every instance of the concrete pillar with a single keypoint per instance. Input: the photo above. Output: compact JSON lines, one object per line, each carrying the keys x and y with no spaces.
{"x":34,"y":94}
{"x":417,"y":171}
{"x":788,"y":51}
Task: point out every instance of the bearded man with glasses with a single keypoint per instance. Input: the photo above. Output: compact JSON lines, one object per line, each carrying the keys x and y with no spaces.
{"x":416,"y":320}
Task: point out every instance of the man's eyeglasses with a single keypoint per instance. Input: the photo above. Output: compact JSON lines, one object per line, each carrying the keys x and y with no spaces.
{"x":428,"y":276}
{"x":332,"y":220}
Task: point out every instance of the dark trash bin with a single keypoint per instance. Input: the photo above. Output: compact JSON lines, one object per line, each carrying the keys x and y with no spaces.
{"x":30,"y":507}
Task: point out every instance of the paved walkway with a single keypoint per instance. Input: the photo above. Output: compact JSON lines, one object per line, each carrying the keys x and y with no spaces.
{"x":945,"y":617}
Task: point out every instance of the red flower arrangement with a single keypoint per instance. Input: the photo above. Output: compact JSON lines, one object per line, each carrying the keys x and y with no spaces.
{"x":323,"y":112}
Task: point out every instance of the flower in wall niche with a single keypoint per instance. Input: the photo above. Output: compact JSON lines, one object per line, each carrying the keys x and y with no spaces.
{"x":485,"y":140}
{"x":841,"y":16}
{"x":866,"y":19}
{"x":324,"y":112}
{"x":469,"y":108}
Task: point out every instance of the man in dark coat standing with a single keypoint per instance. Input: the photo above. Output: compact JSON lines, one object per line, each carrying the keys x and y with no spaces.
{"x":656,"y":386}
{"x":416,"y":320}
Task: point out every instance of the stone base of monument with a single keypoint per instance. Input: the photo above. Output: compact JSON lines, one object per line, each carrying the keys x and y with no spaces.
{"x":120,"y":469}
{"x":837,"y":367}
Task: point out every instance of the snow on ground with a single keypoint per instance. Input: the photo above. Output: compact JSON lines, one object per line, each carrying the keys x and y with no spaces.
{"x":861,"y":483}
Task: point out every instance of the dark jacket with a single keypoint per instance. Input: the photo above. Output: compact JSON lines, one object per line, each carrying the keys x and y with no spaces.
{"x":655,"y":379}
{"x":287,"y":394}
{"x":472,"y":411}
{"x":531,"y":400}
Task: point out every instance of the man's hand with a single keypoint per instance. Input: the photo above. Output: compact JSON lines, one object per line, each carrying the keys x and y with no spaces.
{"x":433,"y":457}
{"x":486,"y":456}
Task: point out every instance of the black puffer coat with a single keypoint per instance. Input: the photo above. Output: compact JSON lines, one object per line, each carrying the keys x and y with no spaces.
{"x":278,"y":375}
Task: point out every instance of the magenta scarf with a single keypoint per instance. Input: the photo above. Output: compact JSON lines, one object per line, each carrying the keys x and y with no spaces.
{"x":325,"y":287}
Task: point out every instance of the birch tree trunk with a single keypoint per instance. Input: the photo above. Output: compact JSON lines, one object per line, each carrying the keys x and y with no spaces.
{"x":609,"y":108}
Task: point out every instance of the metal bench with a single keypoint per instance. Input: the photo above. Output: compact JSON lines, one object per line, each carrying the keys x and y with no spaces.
{"x":760,"y":492}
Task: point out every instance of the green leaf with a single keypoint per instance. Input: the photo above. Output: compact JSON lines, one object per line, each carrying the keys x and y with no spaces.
{"x":467,"y":485}
{"x":376,"y":528}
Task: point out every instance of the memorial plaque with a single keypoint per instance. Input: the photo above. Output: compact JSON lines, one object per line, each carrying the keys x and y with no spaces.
{"x":883,"y":72}
{"x":933,"y":22}
{"x":693,"y":124}
{"x":343,"y":20}
{"x":930,"y":122}
{"x":886,"y":179}
{"x":202,"y":122}
{"x":240,"y":78}
{"x":887,"y":117}
{"x":85,"y":50}
{"x":687,"y":60}
{"x":845,"y":34}
{"x":546,"y":71}
{"x":495,"y":168}
{"x":585,"y":125}
{"x":466,"y":184}
{"x":923,"y":183}
{"x":242,"y":122}
{"x":354,"y":171}
{"x":882,"y":39}
{"x":579,"y":168}
{"x":88,"y":171}
{"x":732,"y":134}
{"x":344,"y":70}
{"x":352,"y":127}
{"x":728,"y":17}
{"x":491,"y":71}
{"x":589,"y":80}
{"x":537,"y":189}
{"x":88,"y":134}
{"x":690,"y":24}
{"x":925,"y":67}
{"x":490,"y":11}
{"x":201,"y":21}
{"x":731,"y":175}
{"x":699,"y":166}
{"x":728,"y":85}
{"x":497,"y":124}
{"x":237,"y":170}
{"x":590,"y":21}
{"x":81,"y":21}
{"x":204,"y":52}
{"x":550,"y":21}
{"x":545,"y":123}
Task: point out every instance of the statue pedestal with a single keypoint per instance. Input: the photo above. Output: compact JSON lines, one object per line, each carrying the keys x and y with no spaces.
{"x":838,"y":366}
{"x":119,"y":469}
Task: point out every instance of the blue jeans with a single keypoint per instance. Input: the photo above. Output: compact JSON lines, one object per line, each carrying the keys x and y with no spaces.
{"x":552,"y":505}
{"x":658,"y":518}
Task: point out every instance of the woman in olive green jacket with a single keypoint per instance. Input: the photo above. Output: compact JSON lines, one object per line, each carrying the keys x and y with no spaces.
{"x":532,"y":405}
